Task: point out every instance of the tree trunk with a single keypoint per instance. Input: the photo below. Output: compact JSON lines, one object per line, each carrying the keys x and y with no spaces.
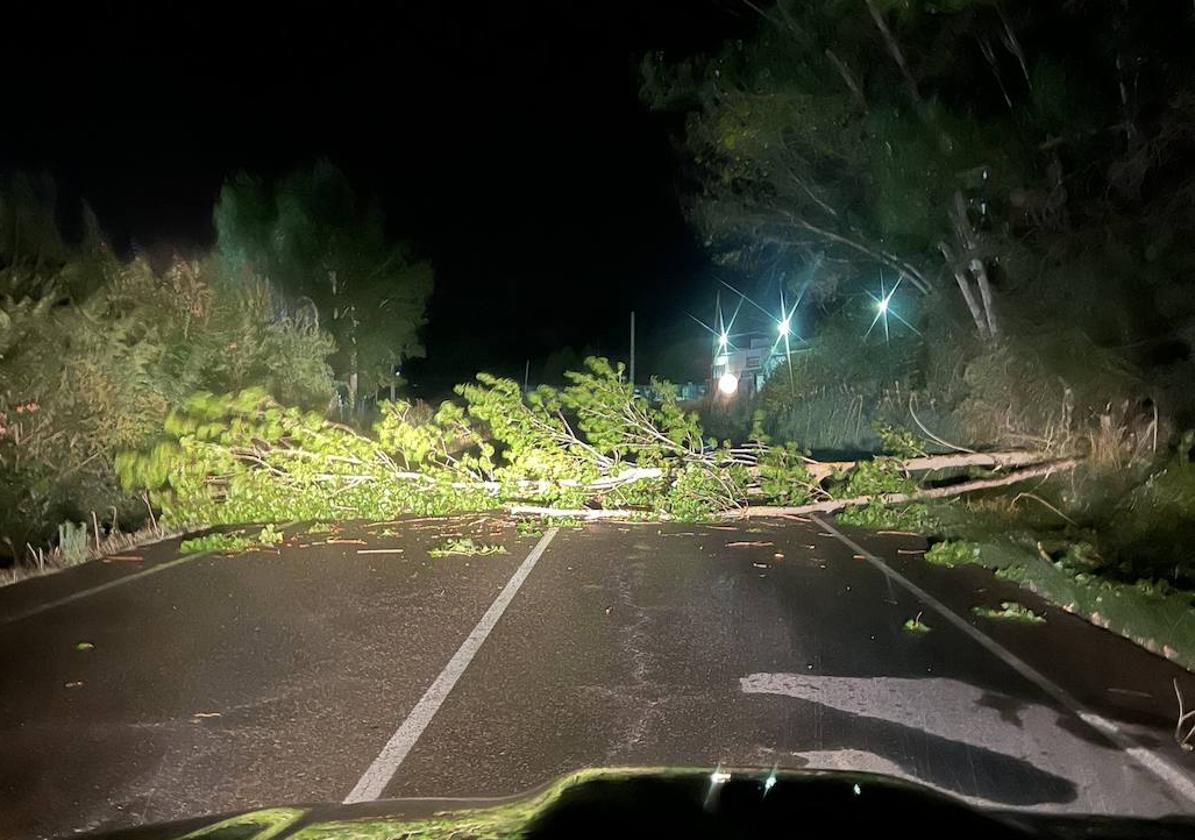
{"x":832,"y":505}
{"x":981,"y":324}
{"x":985,"y":292}
{"x":894,"y":50}
{"x":964,"y":287}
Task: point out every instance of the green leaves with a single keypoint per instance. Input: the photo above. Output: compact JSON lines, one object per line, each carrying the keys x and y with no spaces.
{"x":243,"y":457}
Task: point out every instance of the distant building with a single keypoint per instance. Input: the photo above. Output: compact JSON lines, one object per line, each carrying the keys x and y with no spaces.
{"x":748,"y":359}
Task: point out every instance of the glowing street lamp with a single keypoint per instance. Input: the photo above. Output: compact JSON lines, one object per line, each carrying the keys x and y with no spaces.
{"x":723,"y":340}
{"x":728,"y":384}
{"x":884,"y":309}
{"x":785,"y":327}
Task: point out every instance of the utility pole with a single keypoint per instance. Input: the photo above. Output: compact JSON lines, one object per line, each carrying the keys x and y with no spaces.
{"x":526,"y":376}
{"x":632,"y":372}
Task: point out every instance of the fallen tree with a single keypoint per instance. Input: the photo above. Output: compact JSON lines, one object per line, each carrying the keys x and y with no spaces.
{"x":593,"y":449}
{"x":821,"y":470}
{"x":832,"y":505}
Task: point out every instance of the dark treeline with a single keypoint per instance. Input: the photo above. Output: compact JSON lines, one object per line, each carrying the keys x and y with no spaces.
{"x":302,"y":295}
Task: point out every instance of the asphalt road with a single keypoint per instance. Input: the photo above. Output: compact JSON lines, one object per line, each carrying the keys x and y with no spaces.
{"x":326,"y":670}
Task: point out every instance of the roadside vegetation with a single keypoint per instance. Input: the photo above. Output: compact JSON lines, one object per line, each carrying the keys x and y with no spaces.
{"x":97,"y":350}
{"x":988,"y":219}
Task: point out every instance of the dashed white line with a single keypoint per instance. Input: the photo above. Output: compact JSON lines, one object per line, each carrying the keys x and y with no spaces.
{"x":379,"y":774}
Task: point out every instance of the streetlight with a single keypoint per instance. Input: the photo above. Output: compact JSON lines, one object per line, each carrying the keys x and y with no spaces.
{"x":785,"y":327}
{"x":728,"y":384}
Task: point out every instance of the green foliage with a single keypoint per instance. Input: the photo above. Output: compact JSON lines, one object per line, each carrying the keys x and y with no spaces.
{"x":916,"y":626}
{"x":231,"y":543}
{"x":699,"y":490}
{"x":783,"y":475}
{"x":875,"y":515}
{"x":218,"y":543}
{"x":898,"y":442}
{"x":465,"y":547}
{"x":952,"y":553}
{"x":269,"y":535}
{"x":880,"y":477}
{"x":95,"y":352}
{"x":1009,"y":611}
{"x":243,"y":457}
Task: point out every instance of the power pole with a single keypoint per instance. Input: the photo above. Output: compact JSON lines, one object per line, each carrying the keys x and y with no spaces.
{"x":632,"y":349}
{"x":526,"y":376}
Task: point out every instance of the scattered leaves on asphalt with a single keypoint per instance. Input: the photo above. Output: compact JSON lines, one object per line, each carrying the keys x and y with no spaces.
{"x":465,"y":547}
{"x":84,"y":646}
{"x":916,"y":625}
{"x":1010,"y":611}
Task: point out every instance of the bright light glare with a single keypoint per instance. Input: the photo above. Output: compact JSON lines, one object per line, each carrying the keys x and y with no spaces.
{"x":785,"y":326}
{"x":728,"y":384}
{"x":723,"y":339}
{"x":719,"y":776}
{"x":769,"y":782}
{"x":882,"y":304}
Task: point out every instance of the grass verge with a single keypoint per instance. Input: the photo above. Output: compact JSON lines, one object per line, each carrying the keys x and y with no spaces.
{"x":1157,"y":617}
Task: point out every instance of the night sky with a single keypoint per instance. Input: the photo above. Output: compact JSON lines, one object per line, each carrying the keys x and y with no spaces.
{"x":505,"y":140}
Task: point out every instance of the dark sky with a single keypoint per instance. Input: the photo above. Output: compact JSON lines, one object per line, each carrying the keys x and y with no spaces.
{"x":505,"y":139}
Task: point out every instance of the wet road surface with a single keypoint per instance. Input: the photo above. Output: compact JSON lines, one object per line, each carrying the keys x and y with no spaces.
{"x":287,"y":676}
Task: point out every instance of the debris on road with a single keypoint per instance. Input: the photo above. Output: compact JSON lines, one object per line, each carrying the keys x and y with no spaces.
{"x":916,"y":625}
{"x":84,"y":646}
{"x":466,"y":547}
{"x":1010,"y":611}
{"x":749,"y":543}
{"x":380,"y":550}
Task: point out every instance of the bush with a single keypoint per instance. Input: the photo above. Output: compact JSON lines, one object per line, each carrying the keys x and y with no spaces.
{"x":89,"y":373}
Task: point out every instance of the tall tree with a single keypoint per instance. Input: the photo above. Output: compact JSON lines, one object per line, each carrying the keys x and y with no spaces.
{"x":311,"y":236}
{"x":935,"y":141}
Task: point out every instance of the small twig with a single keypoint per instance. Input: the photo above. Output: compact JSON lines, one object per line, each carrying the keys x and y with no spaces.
{"x":932,"y":436}
{"x":1182,"y":740}
{"x":1038,"y":498}
{"x":580,"y":513}
{"x":152,"y":519}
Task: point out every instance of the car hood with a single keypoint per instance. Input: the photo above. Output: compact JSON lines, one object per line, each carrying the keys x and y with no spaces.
{"x":681,"y":802}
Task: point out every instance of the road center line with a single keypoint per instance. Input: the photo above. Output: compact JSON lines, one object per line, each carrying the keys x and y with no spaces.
{"x":1170,"y":774}
{"x":379,"y":774}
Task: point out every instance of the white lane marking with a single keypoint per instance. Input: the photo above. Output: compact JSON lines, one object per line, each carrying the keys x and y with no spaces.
{"x":1166,"y":771}
{"x":78,"y":596}
{"x":378,"y":775}
{"x":103,"y":587}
